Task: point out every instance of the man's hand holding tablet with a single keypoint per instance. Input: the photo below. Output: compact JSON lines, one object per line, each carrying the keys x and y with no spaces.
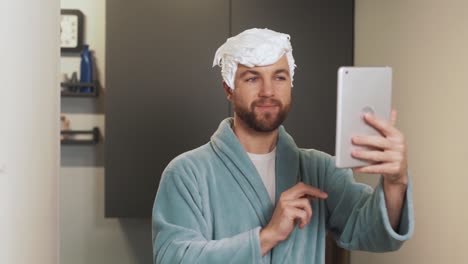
{"x":366,"y":137}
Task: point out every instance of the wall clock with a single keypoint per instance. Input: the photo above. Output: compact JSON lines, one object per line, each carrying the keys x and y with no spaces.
{"x":71,"y":30}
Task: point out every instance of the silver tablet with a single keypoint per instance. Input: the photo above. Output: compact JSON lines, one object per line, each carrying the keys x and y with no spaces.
{"x":360,"y":90}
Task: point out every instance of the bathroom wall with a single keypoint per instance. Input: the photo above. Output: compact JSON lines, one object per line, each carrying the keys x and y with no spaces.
{"x":85,"y":235}
{"x":425,"y":41}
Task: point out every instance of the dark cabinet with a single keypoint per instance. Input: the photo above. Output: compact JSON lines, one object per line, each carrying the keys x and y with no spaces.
{"x":164,"y":98}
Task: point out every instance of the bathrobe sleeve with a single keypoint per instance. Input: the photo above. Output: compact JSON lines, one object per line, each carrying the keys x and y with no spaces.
{"x":181,"y":233}
{"x":357,"y":214}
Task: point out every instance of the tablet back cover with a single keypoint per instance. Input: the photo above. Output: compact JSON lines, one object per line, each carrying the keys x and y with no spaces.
{"x":360,"y":90}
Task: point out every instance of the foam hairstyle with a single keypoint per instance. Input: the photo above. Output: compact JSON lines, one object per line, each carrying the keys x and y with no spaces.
{"x":253,"y":47}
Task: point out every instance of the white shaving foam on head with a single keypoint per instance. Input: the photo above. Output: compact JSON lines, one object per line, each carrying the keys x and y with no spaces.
{"x":253,"y":47}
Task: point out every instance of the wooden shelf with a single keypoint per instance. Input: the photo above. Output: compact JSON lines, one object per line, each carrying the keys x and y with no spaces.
{"x":94,"y":137}
{"x":73,"y":89}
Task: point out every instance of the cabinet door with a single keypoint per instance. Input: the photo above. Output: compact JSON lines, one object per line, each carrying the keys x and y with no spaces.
{"x":163,"y":97}
{"x":322,"y":39}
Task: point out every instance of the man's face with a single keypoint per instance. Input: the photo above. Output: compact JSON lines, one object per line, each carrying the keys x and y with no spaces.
{"x":262,"y":95}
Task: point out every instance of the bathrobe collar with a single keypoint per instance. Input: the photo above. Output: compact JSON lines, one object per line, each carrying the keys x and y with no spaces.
{"x":227,"y":146}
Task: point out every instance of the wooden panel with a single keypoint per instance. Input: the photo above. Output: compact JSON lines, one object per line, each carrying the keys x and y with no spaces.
{"x":163,"y":97}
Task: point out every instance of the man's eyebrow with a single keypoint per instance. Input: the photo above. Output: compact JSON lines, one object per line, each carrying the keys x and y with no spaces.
{"x":249,"y":71}
{"x":282,"y":71}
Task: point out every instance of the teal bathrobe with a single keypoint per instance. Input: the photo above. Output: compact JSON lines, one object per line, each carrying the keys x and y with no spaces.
{"x":211,"y":204}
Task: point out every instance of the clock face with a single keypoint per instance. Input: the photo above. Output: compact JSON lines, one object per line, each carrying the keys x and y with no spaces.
{"x":71,"y":30}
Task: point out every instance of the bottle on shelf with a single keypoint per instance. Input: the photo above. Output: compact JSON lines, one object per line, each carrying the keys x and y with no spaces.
{"x":86,"y":75}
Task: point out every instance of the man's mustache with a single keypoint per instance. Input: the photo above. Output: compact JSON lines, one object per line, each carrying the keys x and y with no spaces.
{"x":266,"y":101}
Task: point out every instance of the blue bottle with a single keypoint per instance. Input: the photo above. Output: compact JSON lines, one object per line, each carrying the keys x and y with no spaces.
{"x":86,"y":74}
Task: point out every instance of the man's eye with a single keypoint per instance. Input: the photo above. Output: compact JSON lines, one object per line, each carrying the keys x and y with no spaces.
{"x":281,"y":78}
{"x":251,"y":79}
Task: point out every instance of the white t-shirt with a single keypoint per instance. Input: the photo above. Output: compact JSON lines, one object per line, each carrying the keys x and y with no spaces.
{"x":265,"y":164}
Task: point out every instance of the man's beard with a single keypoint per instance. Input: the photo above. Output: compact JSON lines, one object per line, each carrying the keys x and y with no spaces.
{"x":263,"y":121}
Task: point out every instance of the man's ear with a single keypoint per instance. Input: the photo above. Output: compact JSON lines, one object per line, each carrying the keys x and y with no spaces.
{"x":227,"y":90}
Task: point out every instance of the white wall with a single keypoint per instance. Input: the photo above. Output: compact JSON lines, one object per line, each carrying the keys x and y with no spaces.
{"x":426,"y":43}
{"x":86,"y":236}
{"x":29,"y":131}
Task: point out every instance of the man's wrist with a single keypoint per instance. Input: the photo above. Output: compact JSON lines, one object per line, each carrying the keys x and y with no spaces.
{"x":395,"y":187}
{"x":395,"y":194}
{"x":267,"y":241}
{"x":397,"y":180}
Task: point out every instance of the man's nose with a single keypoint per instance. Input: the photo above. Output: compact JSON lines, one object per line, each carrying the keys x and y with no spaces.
{"x":266,"y":90}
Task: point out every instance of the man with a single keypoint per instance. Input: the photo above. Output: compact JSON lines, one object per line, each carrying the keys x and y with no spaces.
{"x":251,"y":195}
